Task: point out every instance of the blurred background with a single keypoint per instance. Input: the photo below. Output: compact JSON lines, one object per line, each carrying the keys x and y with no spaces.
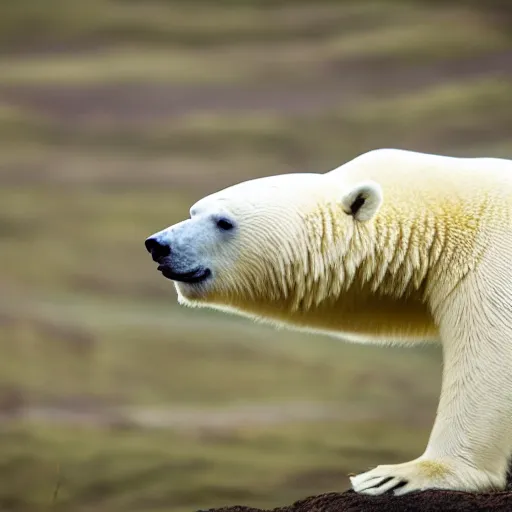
{"x":117,"y":115}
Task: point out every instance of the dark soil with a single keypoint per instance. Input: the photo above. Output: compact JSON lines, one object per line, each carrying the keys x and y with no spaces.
{"x":427,"y":501}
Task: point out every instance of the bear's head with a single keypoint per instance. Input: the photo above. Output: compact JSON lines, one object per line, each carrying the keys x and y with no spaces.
{"x":265,"y":241}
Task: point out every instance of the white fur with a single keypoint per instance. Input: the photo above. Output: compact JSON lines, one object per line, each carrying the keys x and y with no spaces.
{"x":427,"y":256}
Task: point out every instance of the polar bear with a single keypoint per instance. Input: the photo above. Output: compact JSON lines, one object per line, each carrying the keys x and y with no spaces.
{"x":393,"y":246}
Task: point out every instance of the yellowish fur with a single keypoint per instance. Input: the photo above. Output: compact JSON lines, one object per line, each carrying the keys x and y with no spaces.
{"x":382,"y":278}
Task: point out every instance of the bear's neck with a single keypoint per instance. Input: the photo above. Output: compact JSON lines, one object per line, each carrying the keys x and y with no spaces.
{"x":408,"y":253}
{"x":385,"y":276}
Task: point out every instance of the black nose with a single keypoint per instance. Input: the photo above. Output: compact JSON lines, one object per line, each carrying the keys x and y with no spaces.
{"x":157,"y":249}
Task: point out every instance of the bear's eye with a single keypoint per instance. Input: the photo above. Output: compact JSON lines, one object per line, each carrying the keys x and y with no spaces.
{"x":225,"y":224}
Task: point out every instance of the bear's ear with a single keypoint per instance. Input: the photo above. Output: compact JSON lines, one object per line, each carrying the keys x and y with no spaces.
{"x":363,"y":200}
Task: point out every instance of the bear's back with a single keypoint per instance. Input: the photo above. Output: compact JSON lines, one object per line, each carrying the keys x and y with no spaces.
{"x":423,"y":171}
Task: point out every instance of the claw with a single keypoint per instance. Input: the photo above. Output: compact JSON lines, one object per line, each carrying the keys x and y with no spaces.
{"x":366,"y":483}
{"x":386,"y":485}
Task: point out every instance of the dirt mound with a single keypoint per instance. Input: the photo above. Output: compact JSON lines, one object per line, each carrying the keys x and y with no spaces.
{"x":428,"y":501}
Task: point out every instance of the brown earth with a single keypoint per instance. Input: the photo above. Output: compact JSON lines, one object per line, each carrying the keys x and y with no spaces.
{"x":427,"y":501}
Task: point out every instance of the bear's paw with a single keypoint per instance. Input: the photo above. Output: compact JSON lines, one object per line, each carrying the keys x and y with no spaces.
{"x":422,"y":474}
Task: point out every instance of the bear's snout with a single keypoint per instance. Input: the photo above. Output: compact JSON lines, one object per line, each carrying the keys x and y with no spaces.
{"x":158,"y":250}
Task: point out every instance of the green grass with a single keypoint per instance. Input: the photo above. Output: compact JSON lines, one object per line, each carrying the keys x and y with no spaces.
{"x":120,"y":65}
{"x":86,"y":322}
{"x":243,"y":43}
{"x":181,"y":362}
{"x":446,"y":115}
{"x":127,"y":470}
{"x":196,"y":24}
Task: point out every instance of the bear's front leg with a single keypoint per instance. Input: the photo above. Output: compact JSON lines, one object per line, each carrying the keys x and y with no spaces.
{"x":471,"y":440}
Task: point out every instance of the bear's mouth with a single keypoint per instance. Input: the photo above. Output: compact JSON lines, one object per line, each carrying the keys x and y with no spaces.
{"x":195,"y":276}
